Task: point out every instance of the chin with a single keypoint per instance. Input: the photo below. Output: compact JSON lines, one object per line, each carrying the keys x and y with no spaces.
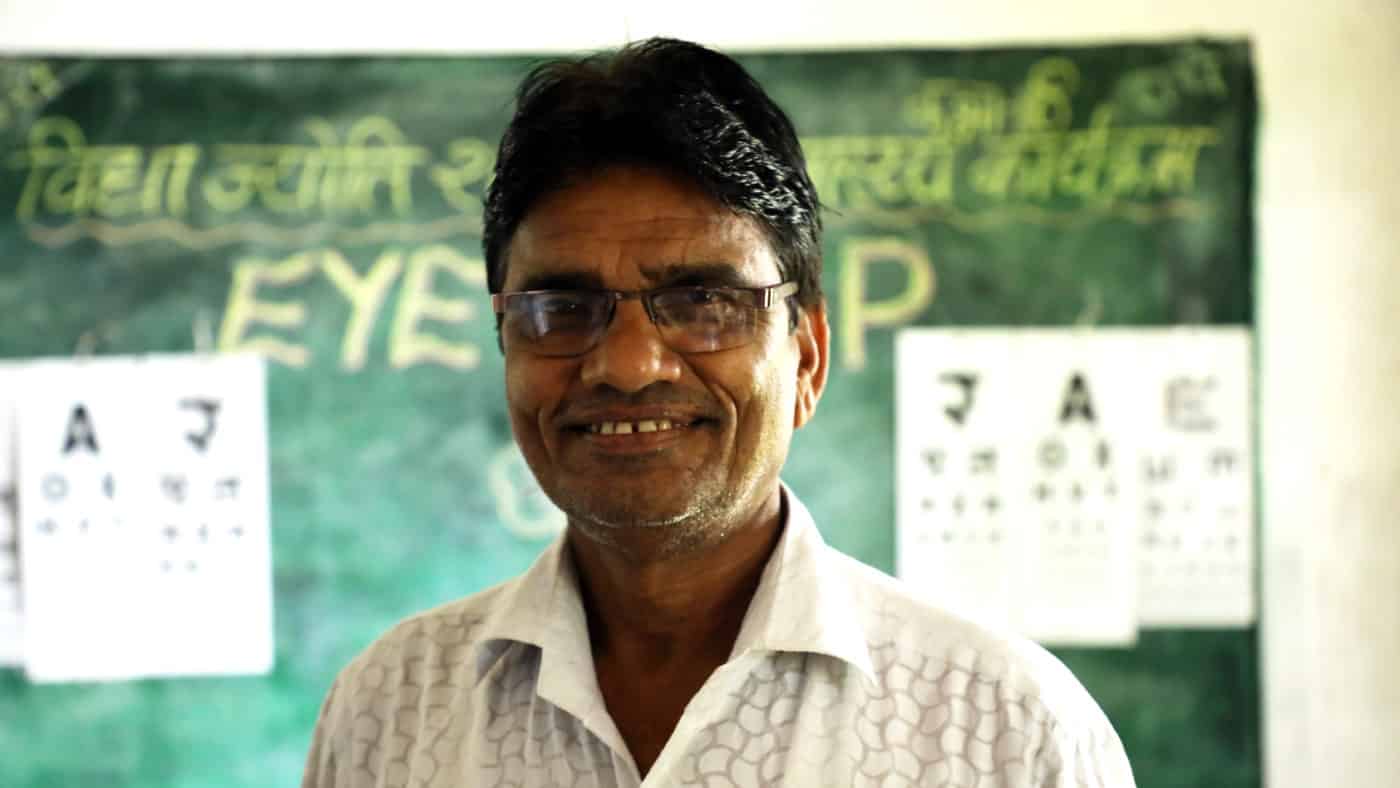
{"x":620,"y":515}
{"x":615,"y":509}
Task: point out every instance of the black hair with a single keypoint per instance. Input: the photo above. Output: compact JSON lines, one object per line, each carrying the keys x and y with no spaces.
{"x":668,"y":104}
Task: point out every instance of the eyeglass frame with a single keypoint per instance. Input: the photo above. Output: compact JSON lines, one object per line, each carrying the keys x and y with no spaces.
{"x":764,"y":298}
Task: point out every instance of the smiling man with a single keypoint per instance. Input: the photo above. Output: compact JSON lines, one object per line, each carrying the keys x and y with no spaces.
{"x":653,"y":250}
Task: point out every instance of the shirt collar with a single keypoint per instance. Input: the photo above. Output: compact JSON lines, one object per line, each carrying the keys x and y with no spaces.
{"x":542,"y":608}
{"x":803,"y":603}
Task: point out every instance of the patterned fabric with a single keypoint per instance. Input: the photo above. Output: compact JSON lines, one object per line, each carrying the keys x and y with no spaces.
{"x":839,"y":677}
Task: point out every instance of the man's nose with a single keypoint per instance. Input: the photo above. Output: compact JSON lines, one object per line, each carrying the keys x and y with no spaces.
{"x":631,"y":355}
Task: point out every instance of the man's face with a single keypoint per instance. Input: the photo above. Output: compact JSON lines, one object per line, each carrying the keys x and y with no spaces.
{"x":731,"y":412}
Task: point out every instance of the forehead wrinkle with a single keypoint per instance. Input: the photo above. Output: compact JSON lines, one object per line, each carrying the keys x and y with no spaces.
{"x":656,"y":227}
{"x":608,"y":227}
{"x":722,"y":259}
{"x":573,"y":243}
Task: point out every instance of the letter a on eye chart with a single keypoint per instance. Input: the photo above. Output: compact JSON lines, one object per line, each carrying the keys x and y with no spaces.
{"x":143,"y":518}
{"x":77,"y":449}
{"x":1079,"y":497}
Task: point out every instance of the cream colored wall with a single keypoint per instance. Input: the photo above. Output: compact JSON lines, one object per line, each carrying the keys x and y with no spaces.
{"x":1328,"y":284}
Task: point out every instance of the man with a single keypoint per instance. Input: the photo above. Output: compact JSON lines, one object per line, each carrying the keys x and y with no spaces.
{"x":652,"y":244}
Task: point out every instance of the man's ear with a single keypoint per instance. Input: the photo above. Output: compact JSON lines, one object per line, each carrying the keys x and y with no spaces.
{"x":814,"y":352}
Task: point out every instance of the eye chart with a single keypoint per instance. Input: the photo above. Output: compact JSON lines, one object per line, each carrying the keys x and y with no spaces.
{"x":1064,"y":562}
{"x":11,"y":643}
{"x":1122,"y":467}
{"x":954,"y":542}
{"x":1078,"y":498}
{"x":143,"y":517}
{"x":1197,"y":537}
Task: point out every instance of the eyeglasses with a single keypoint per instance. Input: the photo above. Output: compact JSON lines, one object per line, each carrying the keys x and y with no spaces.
{"x":689,"y":319}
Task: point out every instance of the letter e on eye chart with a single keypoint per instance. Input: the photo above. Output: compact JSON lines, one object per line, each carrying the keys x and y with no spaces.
{"x":1197,"y":541}
{"x":954,"y":542}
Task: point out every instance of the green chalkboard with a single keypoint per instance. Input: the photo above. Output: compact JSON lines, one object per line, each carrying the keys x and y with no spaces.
{"x":326,"y":212}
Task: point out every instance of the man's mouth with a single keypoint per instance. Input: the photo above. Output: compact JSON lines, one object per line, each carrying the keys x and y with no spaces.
{"x":647,"y":428}
{"x":635,"y":424}
{"x":629,"y":427}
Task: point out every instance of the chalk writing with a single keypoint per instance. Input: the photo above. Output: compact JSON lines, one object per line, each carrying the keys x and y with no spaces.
{"x":524,"y":509}
{"x":269,"y":306}
{"x":857,"y":313}
{"x":25,"y":87}
{"x":989,"y":155}
{"x":205,"y":196}
{"x":371,"y":171}
{"x":409,"y":343}
{"x":69,"y":177}
{"x":1094,"y":165}
{"x":462,"y":179}
{"x":365,"y":294}
{"x":1156,"y":92}
{"x":867,"y":173}
{"x":244,"y":308}
{"x":977,"y":153}
{"x":957,"y":110}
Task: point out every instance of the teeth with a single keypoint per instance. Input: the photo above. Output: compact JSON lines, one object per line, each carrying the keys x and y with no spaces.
{"x":627,"y":427}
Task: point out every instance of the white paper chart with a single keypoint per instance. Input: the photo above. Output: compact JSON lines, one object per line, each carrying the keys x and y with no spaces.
{"x":1075,"y":496}
{"x":143,"y":511}
{"x":1120,"y":462}
{"x":11,"y":621}
{"x":955,"y":543}
{"x":1065,"y":565}
{"x":1197,"y":470}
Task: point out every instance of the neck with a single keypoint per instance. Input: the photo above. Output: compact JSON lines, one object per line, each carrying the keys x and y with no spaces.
{"x":650,"y":607}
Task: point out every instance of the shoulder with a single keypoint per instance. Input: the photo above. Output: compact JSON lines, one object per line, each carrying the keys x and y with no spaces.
{"x":435,"y":648}
{"x":912,"y":637}
{"x":994,"y":694}
{"x":400,"y":684}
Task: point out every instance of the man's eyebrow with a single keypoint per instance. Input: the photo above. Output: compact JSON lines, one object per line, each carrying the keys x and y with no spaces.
{"x":669,"y":275}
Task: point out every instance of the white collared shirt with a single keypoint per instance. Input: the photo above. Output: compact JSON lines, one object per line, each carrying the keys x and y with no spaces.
{"x":839,"y":677}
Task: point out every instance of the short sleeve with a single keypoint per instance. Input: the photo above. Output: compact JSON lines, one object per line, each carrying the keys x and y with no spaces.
{"x":1085,"y":756}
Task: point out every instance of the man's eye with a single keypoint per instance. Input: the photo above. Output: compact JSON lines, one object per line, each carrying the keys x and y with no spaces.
{"x":559,"y":305}
{"x":700,"y":296}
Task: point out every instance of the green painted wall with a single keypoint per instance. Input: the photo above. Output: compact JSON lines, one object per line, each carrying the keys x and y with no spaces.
{"x":327,"y":212}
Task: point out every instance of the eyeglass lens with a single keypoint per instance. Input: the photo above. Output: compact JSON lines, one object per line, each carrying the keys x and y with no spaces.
{"x":690,"y":320}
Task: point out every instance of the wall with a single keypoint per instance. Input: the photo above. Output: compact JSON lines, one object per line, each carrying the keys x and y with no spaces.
{"x":1328,"y":245}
